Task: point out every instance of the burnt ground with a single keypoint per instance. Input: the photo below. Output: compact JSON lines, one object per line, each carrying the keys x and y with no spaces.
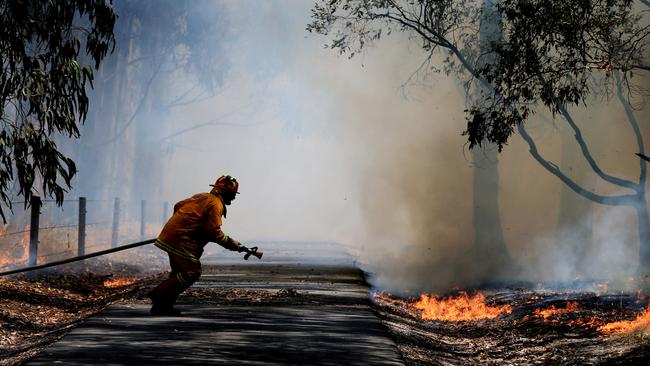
{"x":522,"y":337}
{"x":37,"y":311}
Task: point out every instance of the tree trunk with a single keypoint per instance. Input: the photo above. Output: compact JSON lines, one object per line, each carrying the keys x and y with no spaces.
{"x":490,"y":248}
{"x":644,"y":234}
{"x":95,"y":156}
{"x":148,"y":166}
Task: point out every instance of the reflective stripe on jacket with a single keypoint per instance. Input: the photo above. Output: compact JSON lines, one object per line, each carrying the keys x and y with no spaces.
{"x":195,"y":222}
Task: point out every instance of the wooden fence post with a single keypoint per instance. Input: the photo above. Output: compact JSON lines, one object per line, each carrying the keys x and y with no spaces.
{"x":143,"y":218}
{"x":81,"y":240}
{"x":116,"y":222}
{"x":33,"y":230}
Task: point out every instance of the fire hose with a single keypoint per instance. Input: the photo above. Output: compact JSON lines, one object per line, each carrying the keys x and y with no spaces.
{"x":252,"y":251}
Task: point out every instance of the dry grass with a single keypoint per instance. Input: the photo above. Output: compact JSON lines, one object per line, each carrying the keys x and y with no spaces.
{"x":38,"y":309}
{"x":520,"y":337}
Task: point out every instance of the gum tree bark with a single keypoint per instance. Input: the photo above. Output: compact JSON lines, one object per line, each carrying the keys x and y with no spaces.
{"x":489,"y":246}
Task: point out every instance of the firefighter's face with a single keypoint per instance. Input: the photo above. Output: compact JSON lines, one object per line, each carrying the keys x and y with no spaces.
{"x":228,"y":197}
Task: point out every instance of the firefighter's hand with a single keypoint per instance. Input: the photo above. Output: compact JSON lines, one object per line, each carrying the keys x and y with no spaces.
{"x":235,"y":246}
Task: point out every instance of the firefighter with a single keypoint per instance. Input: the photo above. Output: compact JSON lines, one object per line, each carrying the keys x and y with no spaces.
{"x":195,"y":222}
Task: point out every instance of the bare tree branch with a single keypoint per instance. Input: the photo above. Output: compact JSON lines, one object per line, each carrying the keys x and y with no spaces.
{"x":590,"y":159}
{"x":197,"y":99}
{"x":642,"y":156}
{"x":426,"y":61}
{"x":643,"y":167}
{"x":180,"y":98}
{"x":212,"y":122}
{"x":436,"y":39}
{"x":628,"y":199}
{"x":641,"y":66}
{"x":130,"y":121}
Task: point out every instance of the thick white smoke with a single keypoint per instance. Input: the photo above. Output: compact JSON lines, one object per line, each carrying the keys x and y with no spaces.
{"x":331,"y":149}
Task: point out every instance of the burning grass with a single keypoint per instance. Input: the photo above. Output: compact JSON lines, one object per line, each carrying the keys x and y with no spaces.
{"x":518,"y":326}
{"x":553,"y":313}
{"x":15,"y":248}
{"x":641,"y":323}
{"x":463,"y":307}
{"x":118,"y":282}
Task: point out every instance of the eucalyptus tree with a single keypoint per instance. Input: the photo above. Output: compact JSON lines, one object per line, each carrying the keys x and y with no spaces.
{"x":489,"y":244}
{"x":169,"y":53}
{"x":560,"y":55}
{"x":44,"y":46}
{"x":549,"y":54}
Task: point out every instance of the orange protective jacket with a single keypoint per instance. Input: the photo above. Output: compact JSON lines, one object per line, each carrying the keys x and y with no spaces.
{"x":195,"y":222}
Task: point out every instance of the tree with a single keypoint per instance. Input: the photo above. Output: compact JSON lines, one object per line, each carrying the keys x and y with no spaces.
{"x":635,"y":200}
{"x":558,"y":54}
{"x":43,"y":87}
{"x":169,"y":53}
{"x":489,"y":244}
{"x":466,"y":30}
{"x":549,"y":54}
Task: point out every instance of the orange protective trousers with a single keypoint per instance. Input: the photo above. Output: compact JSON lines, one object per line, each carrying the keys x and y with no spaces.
{"x":183,"y":274}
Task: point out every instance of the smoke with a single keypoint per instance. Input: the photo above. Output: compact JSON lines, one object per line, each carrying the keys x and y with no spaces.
{"x":331,"y":149}
{"x":612,"y":256}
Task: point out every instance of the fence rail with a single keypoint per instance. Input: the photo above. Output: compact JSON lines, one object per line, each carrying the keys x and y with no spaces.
{"x":35,"y":229}
{"x":78,"y":258}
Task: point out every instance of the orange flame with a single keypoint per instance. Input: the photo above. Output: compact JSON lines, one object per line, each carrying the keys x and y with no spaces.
{"x":10,"y":258}
{"x":626,"y":326}
{"x":6,"y":260}
{"x":118,"y":282}
{"x":552,"y":312}
{"x":460,"y":308}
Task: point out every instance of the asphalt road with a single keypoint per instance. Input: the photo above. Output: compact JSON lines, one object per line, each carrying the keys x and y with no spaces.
{"x":309,"y":306}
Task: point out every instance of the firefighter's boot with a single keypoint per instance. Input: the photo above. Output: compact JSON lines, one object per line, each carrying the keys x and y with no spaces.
{"x":164,"y":296}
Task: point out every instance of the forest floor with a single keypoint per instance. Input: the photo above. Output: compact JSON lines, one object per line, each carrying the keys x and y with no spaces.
{"x":37,"y":310}
{"x":541,"y":326}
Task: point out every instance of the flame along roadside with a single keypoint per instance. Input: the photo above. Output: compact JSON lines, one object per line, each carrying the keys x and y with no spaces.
{"x":118,"y":282}
{"x":464,"y":307}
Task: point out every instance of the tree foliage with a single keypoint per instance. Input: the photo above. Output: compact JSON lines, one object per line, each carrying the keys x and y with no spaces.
{"x":162,"y":42}
{"x":547,"y":53}
{"x":551,"y":54}
{"x":43,"y":87}
{"x":188,"y":33}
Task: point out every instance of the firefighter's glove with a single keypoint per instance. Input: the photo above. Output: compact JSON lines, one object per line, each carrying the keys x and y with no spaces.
{"x":240,"y":248}
{"x":234,"y":245}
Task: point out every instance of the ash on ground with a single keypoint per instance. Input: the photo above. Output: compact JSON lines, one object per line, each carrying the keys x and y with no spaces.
{"x":537,"y":327}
